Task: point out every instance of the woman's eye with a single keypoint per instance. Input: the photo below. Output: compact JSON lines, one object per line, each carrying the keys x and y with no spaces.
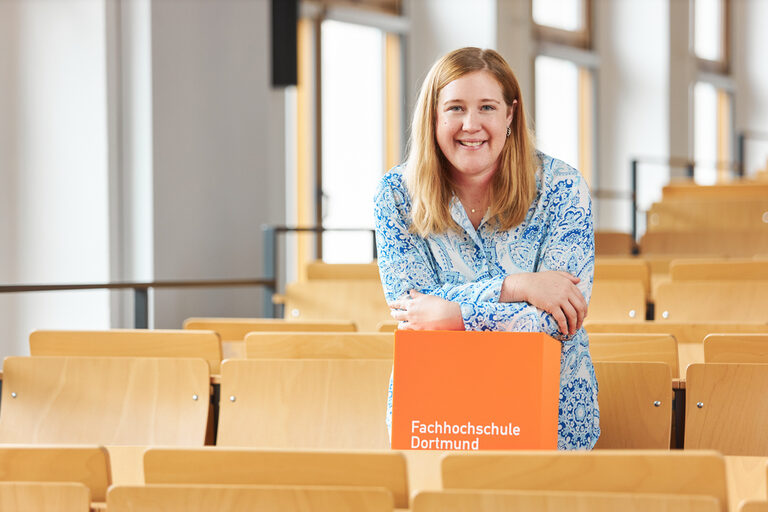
{"x":454,"y":108}
{"x":488,"y":107}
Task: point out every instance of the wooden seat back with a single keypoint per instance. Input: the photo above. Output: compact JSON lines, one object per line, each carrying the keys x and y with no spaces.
{"x":697,"y":473}
{"x":554,"y":501}
{"x":684,"y":332}
{"x":617,"y":301}
{"x":712,"y":301}
{"x":725,"y":191}
{"x":44,"y":497}
{"x":754,"y":506}
{"x":309,"y":345}
{"x":241,"y":498}
{"x":322,"y":270}
{"x":360,"y":301}
{"x":235,"y":329}
{"x":736,"y":348}
{"x":613,"y":243}
{"x":226,"y":466}
{"x":723,"y":408}
{"x":659,"y":348}
{"x":735,"y":242}
{"x":635,"y":405}
{"x":387,"y":326}
{"x":624,"y":269}
{"x":691,"y":214}
{"x":129,"y":343}
{"x":719,"y":269}
{"x":304,"y":403}
{"x":86,"y":465}
{"x":109,"y":400}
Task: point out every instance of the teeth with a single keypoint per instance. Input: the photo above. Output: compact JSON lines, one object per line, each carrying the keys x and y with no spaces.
{"x":470,"y":144}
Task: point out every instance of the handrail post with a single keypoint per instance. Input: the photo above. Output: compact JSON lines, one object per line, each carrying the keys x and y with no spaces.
{"x":740,"y":146}
{"x":634,"y":200}
{"x":690,"y":169}
{"x":270,"y":248}
{"x":141,"y":308}
{"x":373,"y":236}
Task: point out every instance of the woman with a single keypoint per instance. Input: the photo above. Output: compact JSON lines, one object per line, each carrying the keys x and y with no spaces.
{"x":478,"y":231}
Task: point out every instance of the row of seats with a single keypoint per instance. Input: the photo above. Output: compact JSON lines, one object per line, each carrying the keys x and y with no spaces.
{"x":194,"y":479}
{"x":337,"y":382}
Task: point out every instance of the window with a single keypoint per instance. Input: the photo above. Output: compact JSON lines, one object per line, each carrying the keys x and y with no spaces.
{"x":563,"y":91}
{"x":711,"y":35}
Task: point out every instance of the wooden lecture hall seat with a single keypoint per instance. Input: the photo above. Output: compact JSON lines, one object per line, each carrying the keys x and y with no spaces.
{"x":555,"y":501}
{"x":754,"y":506}
{"x":624,"y":269}
{"x":635,"y":405}
{"x":617,"y":301}
{"x":245,"y":498}
{"x":319,"y":345}
{"x":322,"y":270}
{"x":734,"y":243}
{"x":688,"y":472}
{"x":85,"y":465}
{"x":659,"y":348}
{"x":725,"y":408}
{"x":223,"y":466}
{"x":304,"y":403}
{"x":106,"y":400}
{"x":712,"y":301}
{"x":44,"y":497}
{"x":684,"y":332}
{"x":235,"y":329}
{"x":361,"y":301}
{"x":613,"y":243}
{"x":736,"y":348}
{"x":692,"y":214}
{"x":129,"y":343}
{"x":719,"y":269}
{"x":723,"y":191}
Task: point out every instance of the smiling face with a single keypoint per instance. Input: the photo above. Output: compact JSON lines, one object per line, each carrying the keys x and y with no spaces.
{"x":471,"y":124}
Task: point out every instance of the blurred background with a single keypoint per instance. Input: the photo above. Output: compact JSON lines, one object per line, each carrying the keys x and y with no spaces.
{"x":147,"y":140}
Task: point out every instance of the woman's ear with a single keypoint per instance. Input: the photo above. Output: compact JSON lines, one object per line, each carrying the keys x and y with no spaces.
{"x":511,"y":112}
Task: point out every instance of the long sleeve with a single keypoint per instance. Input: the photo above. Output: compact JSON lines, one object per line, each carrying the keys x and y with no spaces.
{"x":405,"y":261}
{"x":567,"y":245}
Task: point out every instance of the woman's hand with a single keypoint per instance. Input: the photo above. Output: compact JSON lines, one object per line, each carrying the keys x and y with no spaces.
{"x":553,"y":291}
{"x":418,"y":311}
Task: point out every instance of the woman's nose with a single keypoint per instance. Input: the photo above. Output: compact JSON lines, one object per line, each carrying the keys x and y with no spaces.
{"x":471,"y":122}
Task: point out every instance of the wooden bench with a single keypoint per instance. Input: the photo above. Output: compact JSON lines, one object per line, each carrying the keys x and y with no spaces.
{"x":724,"y":408}
{"x":649,"y":348}
{"x":109,"y":400}
{"x":129,"y":343}
{"x":44,"y":497}
{"x":745,"y":189}
{"x":690,"y":472}
{"x":549,"y":501}
{"x":304,"y":403}
{"x":226,"y":466}
{"x":307,"y":345}
{"x":635,"y":405}
{"x":85,"y":465}
{"x":360,"y":301}
{"x":240,"y":498}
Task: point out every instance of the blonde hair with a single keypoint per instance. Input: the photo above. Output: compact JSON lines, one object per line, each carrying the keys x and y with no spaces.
{"x":513,"y":186}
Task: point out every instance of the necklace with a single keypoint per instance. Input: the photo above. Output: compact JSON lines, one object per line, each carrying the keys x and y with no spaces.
{"x":472,"y":210}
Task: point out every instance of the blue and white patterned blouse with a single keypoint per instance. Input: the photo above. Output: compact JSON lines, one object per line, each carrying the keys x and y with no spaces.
{"x":469,"y":268}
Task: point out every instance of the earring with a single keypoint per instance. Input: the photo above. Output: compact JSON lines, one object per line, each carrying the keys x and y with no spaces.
{"x":509,"y":131}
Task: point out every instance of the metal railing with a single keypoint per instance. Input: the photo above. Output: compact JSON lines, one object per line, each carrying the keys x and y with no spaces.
{"x":271,"y":248}
{"x":140,"y":291}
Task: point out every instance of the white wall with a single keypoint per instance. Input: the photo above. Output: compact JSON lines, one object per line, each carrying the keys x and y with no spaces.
{"x":633,"y":91}
{"x":749,"y":54}
{"x":439,"y":26}
{"x":218,"y":155}
{"x":54,"y":172}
